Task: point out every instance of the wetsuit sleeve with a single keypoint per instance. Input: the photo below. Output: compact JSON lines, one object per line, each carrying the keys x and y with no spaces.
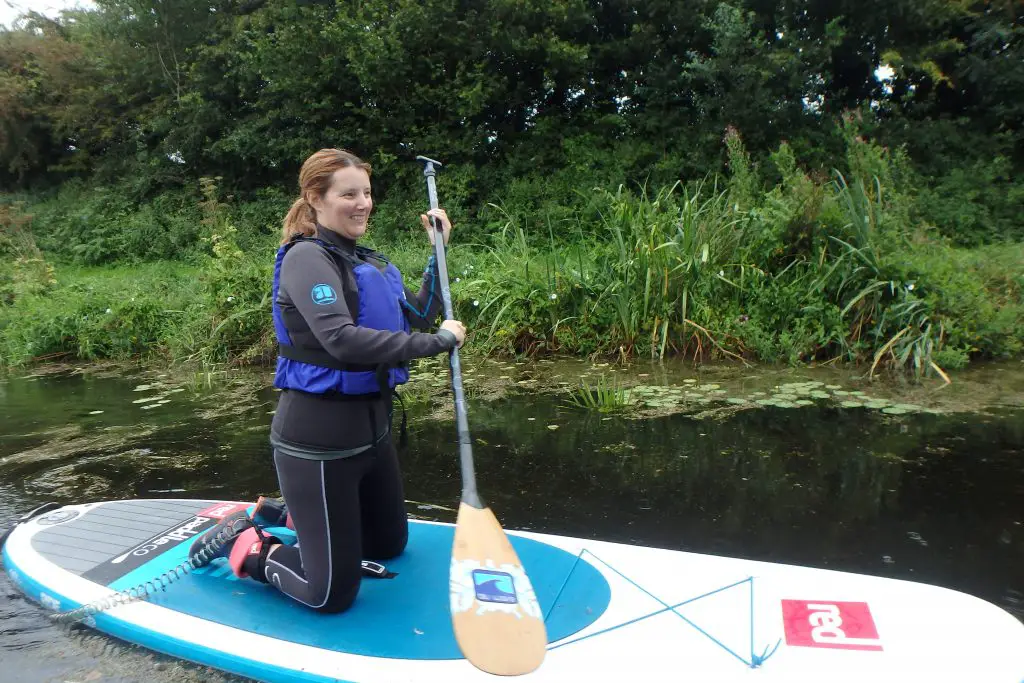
{"x":310,"y":281}
{"x":422,"y":308}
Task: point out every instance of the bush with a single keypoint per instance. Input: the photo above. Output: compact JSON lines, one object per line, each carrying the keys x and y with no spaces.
{"x":23,"y":270}
{"x":90,"y":314}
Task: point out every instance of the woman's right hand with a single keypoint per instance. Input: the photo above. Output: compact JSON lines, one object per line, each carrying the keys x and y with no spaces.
{"x":456,"y":328}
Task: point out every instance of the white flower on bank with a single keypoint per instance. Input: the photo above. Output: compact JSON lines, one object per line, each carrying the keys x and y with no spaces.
{"x":109,"y":311}
{"x":476,"y":302}
{"x":230,"y":299}
{"x":553,"y":296}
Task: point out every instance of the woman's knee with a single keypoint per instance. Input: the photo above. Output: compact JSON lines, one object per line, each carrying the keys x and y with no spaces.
{"x":339,"y":600}
{"x":387,"y":548}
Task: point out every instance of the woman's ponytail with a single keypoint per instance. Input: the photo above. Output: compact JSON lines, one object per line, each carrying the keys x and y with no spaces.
{"x":300,"y":220}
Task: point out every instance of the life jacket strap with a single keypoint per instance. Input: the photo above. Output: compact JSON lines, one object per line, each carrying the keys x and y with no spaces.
{"x":321,"y":358}
{"x":403,"y":435}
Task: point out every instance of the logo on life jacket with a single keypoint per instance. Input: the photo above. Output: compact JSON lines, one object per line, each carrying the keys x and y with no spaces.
{"x":323,"y":295}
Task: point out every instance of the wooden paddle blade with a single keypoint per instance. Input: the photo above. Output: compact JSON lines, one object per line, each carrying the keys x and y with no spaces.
{"x":497,"y":620}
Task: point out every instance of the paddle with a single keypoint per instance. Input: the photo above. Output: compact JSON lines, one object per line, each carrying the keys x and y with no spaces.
{"x":495,"y":614}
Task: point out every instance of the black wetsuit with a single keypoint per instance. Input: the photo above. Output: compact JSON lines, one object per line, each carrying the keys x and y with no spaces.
{"x":336,"y":463}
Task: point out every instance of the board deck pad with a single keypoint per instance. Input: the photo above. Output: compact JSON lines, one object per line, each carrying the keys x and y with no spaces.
{"x":128,"y":543}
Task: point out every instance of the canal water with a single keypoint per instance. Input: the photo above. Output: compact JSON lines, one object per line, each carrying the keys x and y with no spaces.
{"x":823,"y":468}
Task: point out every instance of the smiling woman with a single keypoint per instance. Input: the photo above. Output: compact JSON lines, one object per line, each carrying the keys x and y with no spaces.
{"x":343,"y":320}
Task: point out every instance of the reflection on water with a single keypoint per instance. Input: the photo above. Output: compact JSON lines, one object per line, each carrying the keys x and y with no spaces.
{"x":937,"y":498}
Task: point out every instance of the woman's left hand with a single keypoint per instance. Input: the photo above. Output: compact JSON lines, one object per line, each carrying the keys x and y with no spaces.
{"x":446,"y":225}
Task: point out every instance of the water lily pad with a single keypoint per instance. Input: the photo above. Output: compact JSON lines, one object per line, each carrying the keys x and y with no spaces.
{"x":737,"y":401}
{"x":804,"y":402}
{"x":819,"y":394}
{"x":840,"y":392}
{"x":786,"y":404}
{"x":894,"y":410}
{"x":908,"y":407}
{"x":833,"y":387}
{"x":765,"y":401}
{"x":852,"y":404}
{"x":785,"y":397}
{"x":689,"y":381}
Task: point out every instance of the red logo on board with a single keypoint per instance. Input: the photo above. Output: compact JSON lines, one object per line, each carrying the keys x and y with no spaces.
{"x":841,"y":625}
{"x":222,"y":510}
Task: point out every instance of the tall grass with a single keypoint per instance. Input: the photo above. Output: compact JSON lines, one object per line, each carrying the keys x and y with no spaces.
{"x":603,"y":396}
{"x":24,"y":271}
{"x":803,"y":269}
{"x":808,"y":270}
{"x":92,"y":313}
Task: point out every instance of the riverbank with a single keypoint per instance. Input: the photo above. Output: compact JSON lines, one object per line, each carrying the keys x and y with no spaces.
{"x":808,"y":272}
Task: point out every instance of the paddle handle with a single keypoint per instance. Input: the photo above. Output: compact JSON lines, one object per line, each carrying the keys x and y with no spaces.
{"x":470,"y":496}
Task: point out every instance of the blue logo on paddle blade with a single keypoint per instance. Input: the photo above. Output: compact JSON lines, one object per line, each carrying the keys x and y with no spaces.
{"x":323,"y":295}
{"x":494,"y":586}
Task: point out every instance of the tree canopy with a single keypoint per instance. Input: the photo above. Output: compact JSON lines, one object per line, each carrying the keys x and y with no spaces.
{"x":163,"y":93}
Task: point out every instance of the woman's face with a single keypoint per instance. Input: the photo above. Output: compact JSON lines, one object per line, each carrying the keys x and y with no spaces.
{"x":345,"y":207}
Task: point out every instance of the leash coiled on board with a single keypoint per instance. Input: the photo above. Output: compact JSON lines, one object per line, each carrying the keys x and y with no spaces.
{"x":144,"y":590}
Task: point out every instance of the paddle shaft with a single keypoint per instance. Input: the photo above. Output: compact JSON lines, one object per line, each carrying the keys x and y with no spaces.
{"x":470,"y":496}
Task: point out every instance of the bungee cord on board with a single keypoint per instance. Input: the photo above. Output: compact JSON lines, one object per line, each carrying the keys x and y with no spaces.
{"x":144,"y":590}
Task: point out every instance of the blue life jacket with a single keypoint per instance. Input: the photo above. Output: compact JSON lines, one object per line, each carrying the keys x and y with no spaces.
{"x":312,"y":369}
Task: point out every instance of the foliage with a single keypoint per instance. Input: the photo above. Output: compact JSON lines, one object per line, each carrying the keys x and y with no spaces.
{"x":23,"y":269}
{"x":731,"y":179}
{"x":90,"y":314}
{"x":603,"y":397}
{"x":151,"y":96}
{"x":235,"y":301}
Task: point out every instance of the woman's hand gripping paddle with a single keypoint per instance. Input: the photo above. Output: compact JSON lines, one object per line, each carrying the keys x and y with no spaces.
{"x":497,"y":620}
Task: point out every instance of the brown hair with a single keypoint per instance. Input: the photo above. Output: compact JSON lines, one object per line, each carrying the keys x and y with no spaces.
{"x":315,"y":179}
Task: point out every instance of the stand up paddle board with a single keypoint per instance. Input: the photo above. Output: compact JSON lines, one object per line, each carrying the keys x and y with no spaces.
{"x":613,"y":612}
